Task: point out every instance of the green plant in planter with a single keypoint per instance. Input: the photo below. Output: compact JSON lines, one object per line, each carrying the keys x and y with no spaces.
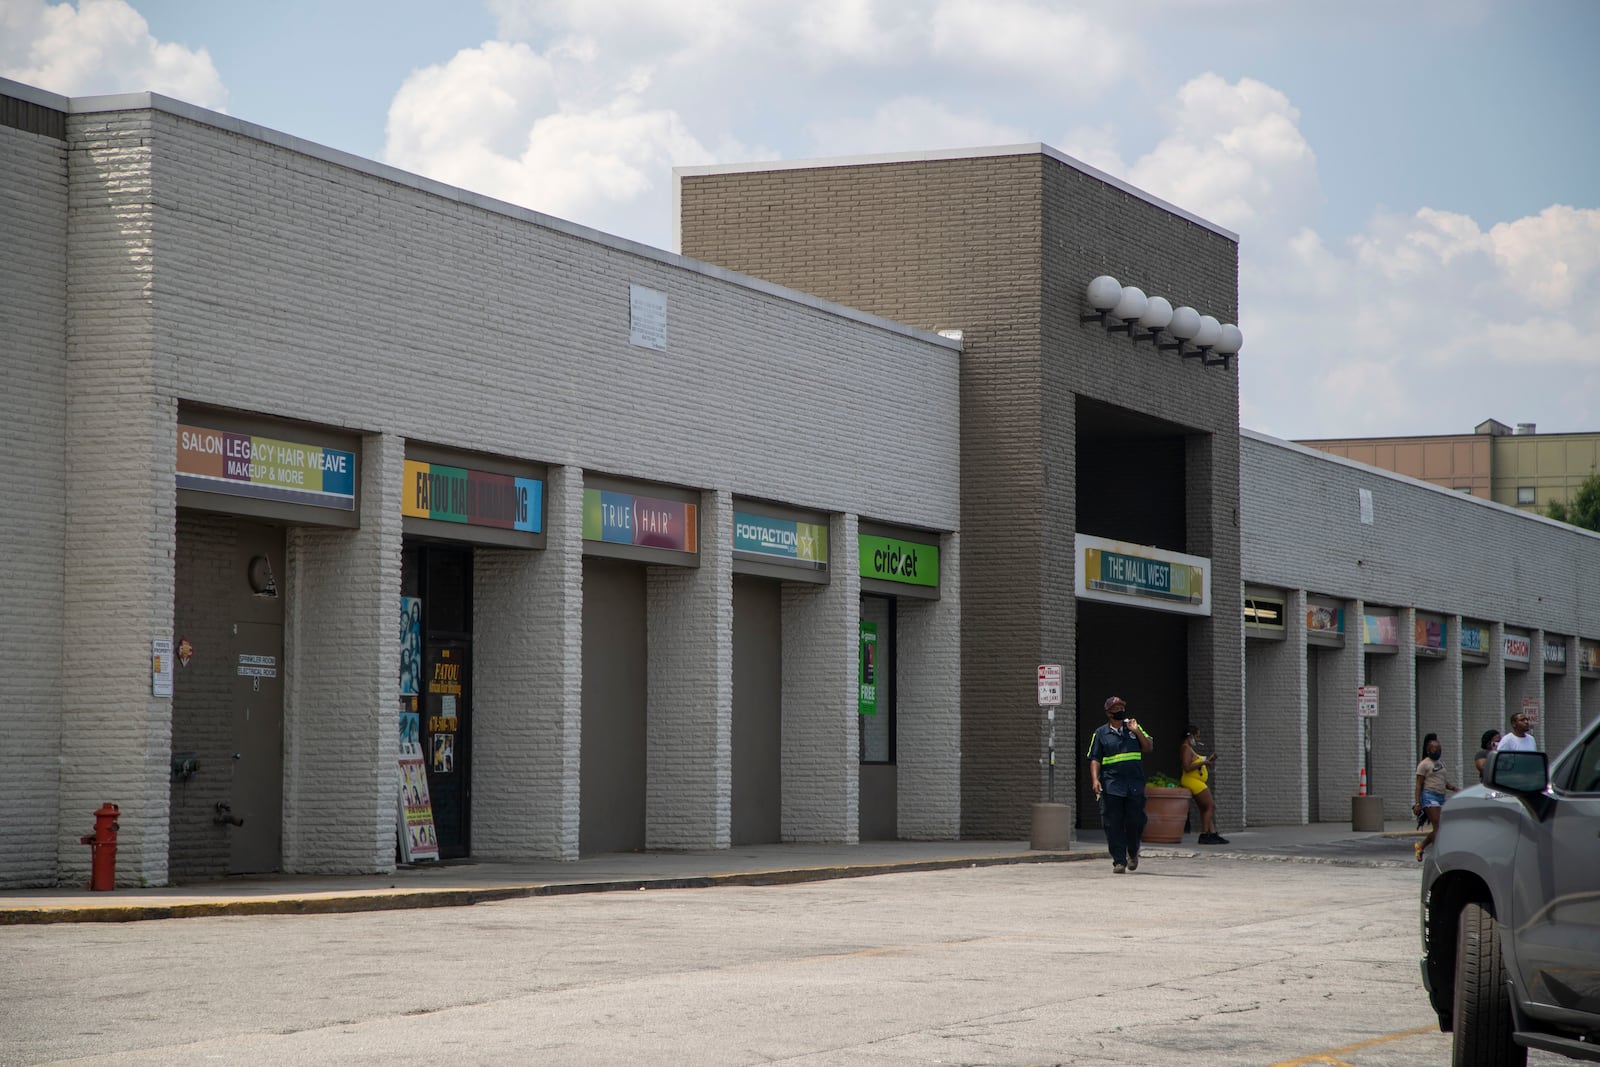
{"x":1162,"y":781}
{"x":1166,"y":806}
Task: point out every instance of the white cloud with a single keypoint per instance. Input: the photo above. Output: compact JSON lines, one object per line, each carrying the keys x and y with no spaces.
{"x":100,"y":46}
{"x":1081,"y":53}
{"x":497,"y":119}
{"x":910,"y":124}
{"x":1234,"y":155}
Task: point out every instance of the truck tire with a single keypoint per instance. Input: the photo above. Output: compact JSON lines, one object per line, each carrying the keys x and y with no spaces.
{"x":1483,"y":1025}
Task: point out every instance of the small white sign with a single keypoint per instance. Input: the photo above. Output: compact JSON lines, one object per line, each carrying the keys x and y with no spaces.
{"x":257,"y":666}
{"x":1366,"y":507}
{"x":1049,"y":684}
{"x":647,"y":318}
{"x":1530,"y":708}
{"x":1367,"y":701}
{"x":161,"y":666}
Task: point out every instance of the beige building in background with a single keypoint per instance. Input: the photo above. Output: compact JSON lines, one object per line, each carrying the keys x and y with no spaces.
{"x":1518,"y":467}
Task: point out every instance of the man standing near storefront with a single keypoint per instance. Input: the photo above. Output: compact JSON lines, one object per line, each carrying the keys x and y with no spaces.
{"x":1519,"y":739}
{"x":1116,"y":772}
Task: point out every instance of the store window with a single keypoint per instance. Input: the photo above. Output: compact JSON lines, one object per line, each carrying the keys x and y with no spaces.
{"x":876,"y":663}
{"x":1524,"y":494}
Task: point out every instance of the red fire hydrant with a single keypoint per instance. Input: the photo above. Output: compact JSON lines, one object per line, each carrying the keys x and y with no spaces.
{"x":103,"y":862}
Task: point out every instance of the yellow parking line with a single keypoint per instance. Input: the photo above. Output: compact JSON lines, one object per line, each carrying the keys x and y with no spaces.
{"x":1329,"y":1057}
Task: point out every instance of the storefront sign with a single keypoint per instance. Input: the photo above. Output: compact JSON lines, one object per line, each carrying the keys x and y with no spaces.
{"x":1517,"y":648}
{"x":1380,"y":630}
{"x":217,"y":461}
{"x":1475,"y":638}
{"x":472,"y":497}
{"x":1555,"y":652}
{"x":1430,"y":633}
{"x":1589,"y":657}
{"x":625,"y":519}
{"x":892,"y":560}
{"x":780,"y":540}
{"x":1120,"y":572}
{"x":867,"y":673}
{"x":1320,"y":618}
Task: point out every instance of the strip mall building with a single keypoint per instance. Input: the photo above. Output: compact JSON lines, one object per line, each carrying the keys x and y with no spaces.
{"x":315,"y":463}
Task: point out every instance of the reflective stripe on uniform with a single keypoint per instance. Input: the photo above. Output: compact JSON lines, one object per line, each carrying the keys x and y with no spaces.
{"x":1122,"y":757}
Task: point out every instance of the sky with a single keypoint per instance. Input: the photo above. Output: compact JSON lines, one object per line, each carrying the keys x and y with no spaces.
{"x":1415,"y":183}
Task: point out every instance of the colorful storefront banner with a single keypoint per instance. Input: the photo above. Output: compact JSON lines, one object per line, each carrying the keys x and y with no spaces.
{"x":625,"y":519}
{"x":1474,"y":639}
{"x":893,"y":560}
{"x":867,"y":675}
{"x":265,"y":468}
{"x":1518,"y":649}
{"x":1430,"y":633}
{"x":803,"y":544}
{"x":472,"y":497}
{"x":1380,"y":630}
{"x":1120,"y":573}
{"x":1589,"y":657}
{"x":1324,"y":619}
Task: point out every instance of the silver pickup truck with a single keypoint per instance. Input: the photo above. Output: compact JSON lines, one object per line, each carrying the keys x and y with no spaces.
{"x":1511,"y":909}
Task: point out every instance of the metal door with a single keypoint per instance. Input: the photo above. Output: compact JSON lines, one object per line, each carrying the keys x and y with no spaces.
{"x":256,"y":796}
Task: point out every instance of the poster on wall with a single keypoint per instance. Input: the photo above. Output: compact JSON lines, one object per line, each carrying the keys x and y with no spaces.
{"x":867,"y":689}
{"x":419,"y":842}
{"x":410,"y":645}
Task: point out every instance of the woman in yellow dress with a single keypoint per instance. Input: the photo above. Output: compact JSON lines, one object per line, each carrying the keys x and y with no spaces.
{"x":1196,"y":778}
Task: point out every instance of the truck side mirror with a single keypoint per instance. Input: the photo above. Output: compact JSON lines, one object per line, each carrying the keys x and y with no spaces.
{"x":1522,"y":773}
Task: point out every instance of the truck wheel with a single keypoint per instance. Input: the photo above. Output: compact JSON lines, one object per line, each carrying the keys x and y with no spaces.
{"x":1482,"y":1030}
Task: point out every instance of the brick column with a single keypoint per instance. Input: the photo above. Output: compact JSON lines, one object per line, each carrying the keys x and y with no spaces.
{"x":928,"y":737}
{"x":121,"y":455}
{"x":527,"y":675}
{"x":1338,"y":730}
{"x":688,"y":746}
{"x":821,"y":757}
{"x":1441,"y":710}
{"x":1273,"y":766}
{"x":341,"y":689}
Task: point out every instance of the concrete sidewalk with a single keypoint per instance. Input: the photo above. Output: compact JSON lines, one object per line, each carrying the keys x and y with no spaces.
{"x":474,"y":882}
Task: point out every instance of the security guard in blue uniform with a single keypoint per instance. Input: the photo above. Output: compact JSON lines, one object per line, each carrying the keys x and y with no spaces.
{"x":1116,"y":772}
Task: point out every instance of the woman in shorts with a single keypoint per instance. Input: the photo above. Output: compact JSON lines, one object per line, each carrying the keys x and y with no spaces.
{"x":1196,"y":779}
{"x":1432,"y":786}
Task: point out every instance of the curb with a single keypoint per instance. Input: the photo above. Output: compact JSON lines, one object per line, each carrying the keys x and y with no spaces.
{"x":454,"y":898}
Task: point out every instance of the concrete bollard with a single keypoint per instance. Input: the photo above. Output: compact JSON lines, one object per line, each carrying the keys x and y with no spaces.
{"x":1366,"y":814}
{"x":1052,"y":828}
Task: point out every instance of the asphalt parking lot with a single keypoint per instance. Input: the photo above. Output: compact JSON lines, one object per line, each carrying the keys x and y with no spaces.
{"x":1194,"y":959}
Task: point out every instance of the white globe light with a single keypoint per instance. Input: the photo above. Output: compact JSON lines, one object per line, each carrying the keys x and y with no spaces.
{"x":1210,"y":332}
{"x":1232,"y":340}
{"x":1185,"y":323}
{"x":1104,"y":292}
{"x":1157,"y":313}
{"x":1131,"y":304}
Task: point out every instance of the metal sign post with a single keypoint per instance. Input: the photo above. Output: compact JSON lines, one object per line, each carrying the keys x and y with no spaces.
{"x":1049,"y":699}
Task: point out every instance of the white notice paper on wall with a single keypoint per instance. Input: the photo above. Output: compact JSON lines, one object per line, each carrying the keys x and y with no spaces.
{"x":1366,"y":506}
{"x":161,"y":666}
{"x":647,"y":318}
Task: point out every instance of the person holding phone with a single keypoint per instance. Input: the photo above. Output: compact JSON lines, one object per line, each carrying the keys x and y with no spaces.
{"x":1116,"y":774}
{"x":1196,"y":779}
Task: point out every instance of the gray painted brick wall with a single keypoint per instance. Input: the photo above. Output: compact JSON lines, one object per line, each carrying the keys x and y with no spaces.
{"x":928,"y":707}
{"x":528,"y":686}
{"x":820,"y":749}
{"x":689,"y":753}
{"x":33,"y":416}
{"x":119,"y":496}
{"x":342,"y":680}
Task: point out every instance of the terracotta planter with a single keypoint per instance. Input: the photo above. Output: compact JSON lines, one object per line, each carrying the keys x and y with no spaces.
{"x":1166,"y":808}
